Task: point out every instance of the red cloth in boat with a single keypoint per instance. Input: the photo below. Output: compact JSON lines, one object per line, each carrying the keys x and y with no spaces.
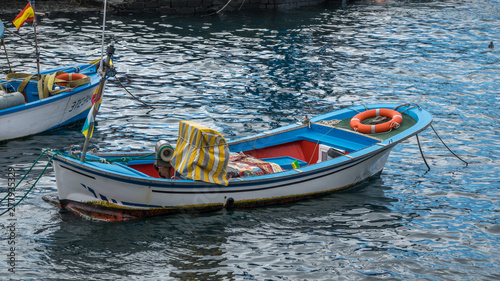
{"x":242,"y":165}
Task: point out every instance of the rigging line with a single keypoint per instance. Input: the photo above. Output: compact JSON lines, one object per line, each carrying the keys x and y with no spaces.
{"x":466,"y":163}
{"x":6,"y":55}
{"x":26,"y":174}
{"x":103,"y":30}
{"x":136,"y":98}
{"x":422,"y":153}
{"x":37,"y":50}
{"x":20,"y":37}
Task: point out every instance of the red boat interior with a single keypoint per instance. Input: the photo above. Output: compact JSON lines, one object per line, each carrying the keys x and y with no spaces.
{"x":304,"y":151}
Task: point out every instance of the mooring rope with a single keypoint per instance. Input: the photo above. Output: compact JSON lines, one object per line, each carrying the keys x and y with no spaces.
{"x":136,"y":98}
{"x":22,"y":179}
{"x":122,"y":160}
{"x":422,"y":153}
{"x":466,"y":164}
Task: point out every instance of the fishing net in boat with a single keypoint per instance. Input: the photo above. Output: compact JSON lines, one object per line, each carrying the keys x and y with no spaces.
{"x":201,"y":153}
{"x":242,"y":165}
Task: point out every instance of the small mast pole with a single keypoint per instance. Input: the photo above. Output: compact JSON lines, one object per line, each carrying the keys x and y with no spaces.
{"x":32,"y":3}
{"x":105,"y":67}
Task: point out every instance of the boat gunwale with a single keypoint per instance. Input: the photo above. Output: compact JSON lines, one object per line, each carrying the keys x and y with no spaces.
{"x":255,"y":180}
{"x":74,"y":91}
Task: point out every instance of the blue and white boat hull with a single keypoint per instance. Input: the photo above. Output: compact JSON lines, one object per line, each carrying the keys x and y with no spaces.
{"x":109,"y":190}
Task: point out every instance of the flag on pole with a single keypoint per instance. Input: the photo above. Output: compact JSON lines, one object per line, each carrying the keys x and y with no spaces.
{"x":27,"y":14}
{"x":86,"y":127}
{"x":96,"y":97}
{"x":96,"y":102}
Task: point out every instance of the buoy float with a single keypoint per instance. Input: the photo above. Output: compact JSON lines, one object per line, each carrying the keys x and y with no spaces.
{"x":396,"y":119}
{"x":68,"y":79}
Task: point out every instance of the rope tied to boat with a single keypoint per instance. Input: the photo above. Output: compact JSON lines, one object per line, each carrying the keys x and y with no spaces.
{"x":466,"y":163}
{"x":422,"y":153}
{"x":11,"y":191}
{"x":355,"y":110}
{"x":136,"y":98}
{"x":75,"y":154}
{"x":46,"y":83}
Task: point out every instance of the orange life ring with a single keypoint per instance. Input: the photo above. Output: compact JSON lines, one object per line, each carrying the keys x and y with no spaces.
{"x":69,"y":77}
{"x":396,"y":119}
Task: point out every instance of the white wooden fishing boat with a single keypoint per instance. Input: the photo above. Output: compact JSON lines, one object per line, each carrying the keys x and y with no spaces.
{"x":41,"y":101}
{"x":24,"y":111}
{"x":298,"y":161}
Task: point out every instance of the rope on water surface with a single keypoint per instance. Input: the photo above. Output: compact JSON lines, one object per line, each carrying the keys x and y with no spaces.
{"x":32,"y":186}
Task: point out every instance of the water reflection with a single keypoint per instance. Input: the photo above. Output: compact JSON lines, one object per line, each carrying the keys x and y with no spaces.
{"x":214,"y":246}
{"x":242,"y":74}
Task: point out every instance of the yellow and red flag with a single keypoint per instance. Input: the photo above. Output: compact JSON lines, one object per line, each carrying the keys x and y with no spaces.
{"x":27,"y":14}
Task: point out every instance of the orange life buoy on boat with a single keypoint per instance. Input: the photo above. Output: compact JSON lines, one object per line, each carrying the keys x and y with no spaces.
{"x":70,"y":79}
{"x":396,"y":119}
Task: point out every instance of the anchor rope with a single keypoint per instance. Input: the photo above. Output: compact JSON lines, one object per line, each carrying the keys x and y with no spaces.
{"x":466,"y":163}
{"x":422,"y":153}
{"x":136,"y":98}
{"x":22,"y":179}
{"x":55,"y":153}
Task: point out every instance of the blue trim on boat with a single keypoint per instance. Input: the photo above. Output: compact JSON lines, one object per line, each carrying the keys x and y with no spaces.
{"x":90,"y":189}
{"x":88,"y":70}
{"x":2,"y":29}
{"x":269,"y":179}
{"x":49,"y":100}
{"x":141,"y":205}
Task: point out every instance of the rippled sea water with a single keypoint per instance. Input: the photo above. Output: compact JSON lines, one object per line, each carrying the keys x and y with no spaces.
{"x":249,"y":72}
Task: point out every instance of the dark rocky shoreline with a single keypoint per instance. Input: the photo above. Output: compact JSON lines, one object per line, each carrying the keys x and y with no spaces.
{"x":66,"y":8}
{"x":52,"y":7}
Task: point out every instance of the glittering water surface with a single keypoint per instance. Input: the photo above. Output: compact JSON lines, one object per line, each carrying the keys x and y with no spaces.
{"x":245,"y":73}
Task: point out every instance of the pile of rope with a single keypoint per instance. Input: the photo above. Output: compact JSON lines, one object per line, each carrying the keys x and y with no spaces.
{"x":46,"y":83}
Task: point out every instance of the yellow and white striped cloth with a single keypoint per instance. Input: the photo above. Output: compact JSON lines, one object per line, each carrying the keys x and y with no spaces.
{"x":201,"y":153}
